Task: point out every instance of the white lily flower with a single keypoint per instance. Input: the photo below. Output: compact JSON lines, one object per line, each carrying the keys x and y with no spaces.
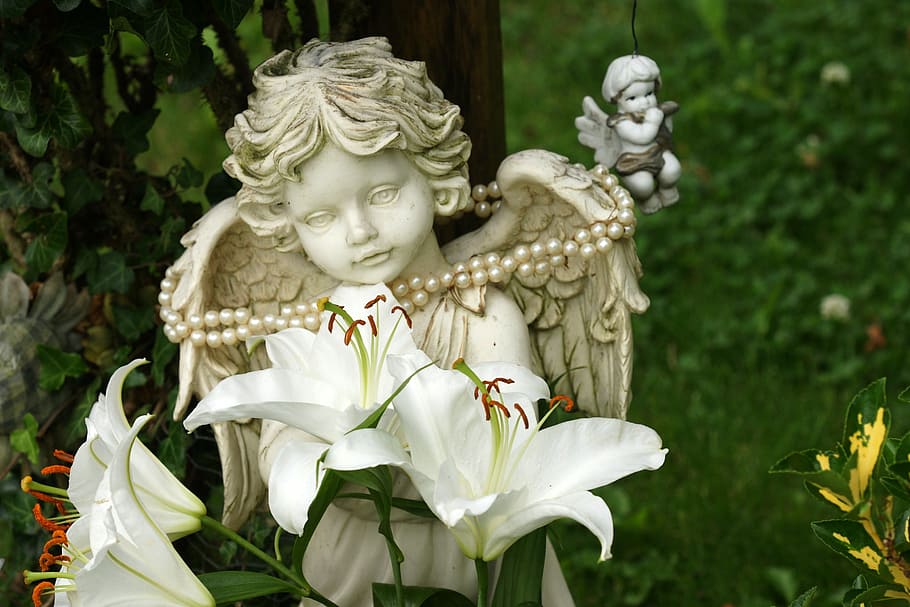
{"x":485,"y":467}
{"x":324,"y":384}
{"x":170,"y":504}
{"x":118,"y":554}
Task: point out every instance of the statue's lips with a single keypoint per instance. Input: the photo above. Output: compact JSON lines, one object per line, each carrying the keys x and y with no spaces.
{"x":375,"y":258}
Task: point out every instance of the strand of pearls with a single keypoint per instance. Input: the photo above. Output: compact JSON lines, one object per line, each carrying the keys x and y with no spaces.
{"x":231,"y":326}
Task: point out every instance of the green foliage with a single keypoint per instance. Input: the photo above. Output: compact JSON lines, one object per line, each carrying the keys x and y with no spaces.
{"x":57,"y":365}
{"x":229,"y":587}
{"x":25,"y":439}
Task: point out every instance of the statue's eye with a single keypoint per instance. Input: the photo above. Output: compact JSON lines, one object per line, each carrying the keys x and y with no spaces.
{"x":384,"y":195}
{"x":319,"y":220}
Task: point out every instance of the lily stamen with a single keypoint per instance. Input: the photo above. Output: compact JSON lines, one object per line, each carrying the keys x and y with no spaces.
{"x":524,"y":417}
{"x":55,"y":469}
{"x":403,"y":313}
{"x":58,"y":538}
{"x":381,"y":297}
{"x":562,"y":398}
{"x":63,"y":456}
{"x":38,"y":590}
{"x":349,"y":333}
{"x":373,"y":328}
{"x":46,"y":523}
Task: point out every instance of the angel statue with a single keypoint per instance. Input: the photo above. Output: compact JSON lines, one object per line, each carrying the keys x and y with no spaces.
{"x":346,"y":155}
{"x":636,"y":140}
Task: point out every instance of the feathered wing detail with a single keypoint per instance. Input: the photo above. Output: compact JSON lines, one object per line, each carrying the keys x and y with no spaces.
{"x":226,"y":265}
{"x":595,"y":132}
{"x":579,"y":315}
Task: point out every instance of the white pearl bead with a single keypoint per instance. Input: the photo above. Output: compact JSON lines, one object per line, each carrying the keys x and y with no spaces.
{"x":618,"y":192}
{"x":296,"y":322}
{"x":229,"y":337}
{"x":496,"y":274}
{"x":311,"y":321}
{"x":476,"y":263}
{"x":281,"y":323}
{"x":497,"y":205}
{"x":226,"y":317}
{"x":508,"y":264}
{"x":167,"y":285}
{"x":462,"y":280}
{"x":400,"y":288}
{"x":268,"y":321}
{"x":542,"y":268}
{"x":626,"y":217}
{"x":483,"y":209}
{"x":525,"y":269}
{"x":415,"y":283}
{"x":522,"y":253}
{"x":538,"y":250}
{"x":493,"y":190}
{"x":599,"y":170}
{"x":163,"y":313}
{"x":164,"y":298}
{"x":255,"y":325}
{"x":588,"y":250}
{"x":211,"y":318}
{"x":557,"y":260}
{"x":197,"y":337}
{"x":301,"y":309}
{"x":447,"y":279}
{"x":582,"y":236}
{"x":242,"y":316}
{"x":170,"y":272}
{"x":598,"y":230}
{"x":491,"y":260}
{"x":314,"y":307}
{"x":604,"y":244}
{"x":243,"y":332}
{"x":182,"y":329}
{"x":194,"y":321}
{"x":408,"y":306}
{"x":579,"y":166}
{"x":570,"y":248}
{"x":420,"y":298}
{"x":614,"y":231}
{"x":625,"y":202}
{"x":554,"y":246}
{"x":287,"y":310}
{"x":171,"y":334}
{"x":460,"y":268}
{"x":629,"y":231}
{"x":479,"y":277}
{"x":431,"y":284}
{"x":610,"y":182}
{"x":479,"y":193}
{"x":213,"y":339}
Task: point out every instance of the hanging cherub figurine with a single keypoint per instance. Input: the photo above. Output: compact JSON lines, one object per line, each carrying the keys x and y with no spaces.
{"x":636,"y":140}
{"x":345,"y":156}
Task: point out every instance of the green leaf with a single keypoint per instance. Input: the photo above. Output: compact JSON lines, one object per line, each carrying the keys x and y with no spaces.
{"x":143,"y":8}
{"x":232,"y":12}
{"x":152,"y":200}
{"x":805,"y":599}
{"x":80,"y":190}
{"x":37,"y":194}
{"x":168,"y":32}
{"x":66,"y":5}
{"x":328,"y":489}
{"x":521,"y":571}
{"x":904,"y":395}
{"x":132,"y":322}
{"x":65,"y":122}
{"x":418,"y":596}
{"x":172,"y":449}
{"x":163,"y":352}
{"x":220,"y":187}
{"x":25,"y":439}
{"x":56,"y":366}
{"x":15,"y":90}
{"x":83,"y":29}
{"x":884,"y":595}
{"x":86,"y":261}
{"x":133,"y":129}
{"x":851,"y":540}
{"x":76,"y":425}
{"x":49,"y":243}
{"x":197,"y":71}
{"x":232,"y":586}
{"x":188,"y":176}
{"x":14,"y":8}
{"x":111,"y":275}
{"x":33,"y":140}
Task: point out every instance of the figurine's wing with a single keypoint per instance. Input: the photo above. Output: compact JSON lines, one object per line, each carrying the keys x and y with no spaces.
{"x":595,"y":133}
{"x":227,"y":266}
{"x":579,"y":315}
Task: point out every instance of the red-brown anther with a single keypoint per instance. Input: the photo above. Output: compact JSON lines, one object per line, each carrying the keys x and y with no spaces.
{"x":332,"y":321}
{"x":46,"y":524}
{"x":524,"y":417}
{"x":55,"y":469}
{"x":486,"y":405}
{"x":373,"y":328}
{"x":349,"y":334}
{"x":561,"y":398}
{"x":46,"y":561}
{"x":381,"y":297}
{"x":58,"y":538}
{"x":403,"y":313}
{"x":44,"y":497}
{"x":63,"y":456}
{"x":501,"y":407}
{"x":38,"y":589}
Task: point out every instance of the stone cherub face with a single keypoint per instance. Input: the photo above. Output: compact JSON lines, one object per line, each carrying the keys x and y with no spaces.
{"x":361,"y":219}
{"x":637,"y":97}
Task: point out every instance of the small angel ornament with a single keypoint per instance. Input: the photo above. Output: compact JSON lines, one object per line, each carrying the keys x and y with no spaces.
{"x":346,"y":154}
{"x":636,"y":140}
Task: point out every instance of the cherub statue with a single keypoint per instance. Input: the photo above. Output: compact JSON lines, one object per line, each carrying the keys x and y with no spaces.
{"x":636,"y":140}
{"x":346,"y":154}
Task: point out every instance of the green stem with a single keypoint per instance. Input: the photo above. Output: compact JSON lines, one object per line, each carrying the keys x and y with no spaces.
{"x":274,"y":563}
{"x":396,"y":573}
{"x":483,"y":575}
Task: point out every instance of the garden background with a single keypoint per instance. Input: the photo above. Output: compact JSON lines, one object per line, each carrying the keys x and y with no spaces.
{"x":793,"y":137}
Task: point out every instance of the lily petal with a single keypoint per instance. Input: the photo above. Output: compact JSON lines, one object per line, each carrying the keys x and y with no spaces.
{"x":293,"y":483}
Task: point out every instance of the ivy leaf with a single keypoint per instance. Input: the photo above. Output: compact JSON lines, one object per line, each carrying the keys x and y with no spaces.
{"x":76,"y":425}
{"x":65,"y":122}
{"x":15,"y":90}
{"x":197,"y":71}
{"x":172,"y":449}
{"x":83,"y":29}
{"x":152,"y":200}
{"x":168,"y":32}
{"x":232,"y":12}
{"x":37,"y":194}
{"x":163,"y":352}
{"x":188,"y":176}
{"x":14,"y":8}
{"x":86,"y":261}
{"x":143,"y":8}
{"x":33,"y":140}
{"x":25,"y":439}
{"x":48,"y":244}
{"x":132,"y":322}
{"x":133,"y":130}
{"x":80,"y":190}
{"x":66,"y":5}
{"x":169,"y":237}
{"x":221,"y":186}
{"x":111,"y":275}
{"x":56,"y":366}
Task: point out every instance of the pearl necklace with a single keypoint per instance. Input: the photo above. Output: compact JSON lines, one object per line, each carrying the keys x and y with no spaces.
{"x":230,"y":326}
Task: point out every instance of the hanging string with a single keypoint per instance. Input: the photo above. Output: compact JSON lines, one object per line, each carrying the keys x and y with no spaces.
{"x":634,"y":37}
